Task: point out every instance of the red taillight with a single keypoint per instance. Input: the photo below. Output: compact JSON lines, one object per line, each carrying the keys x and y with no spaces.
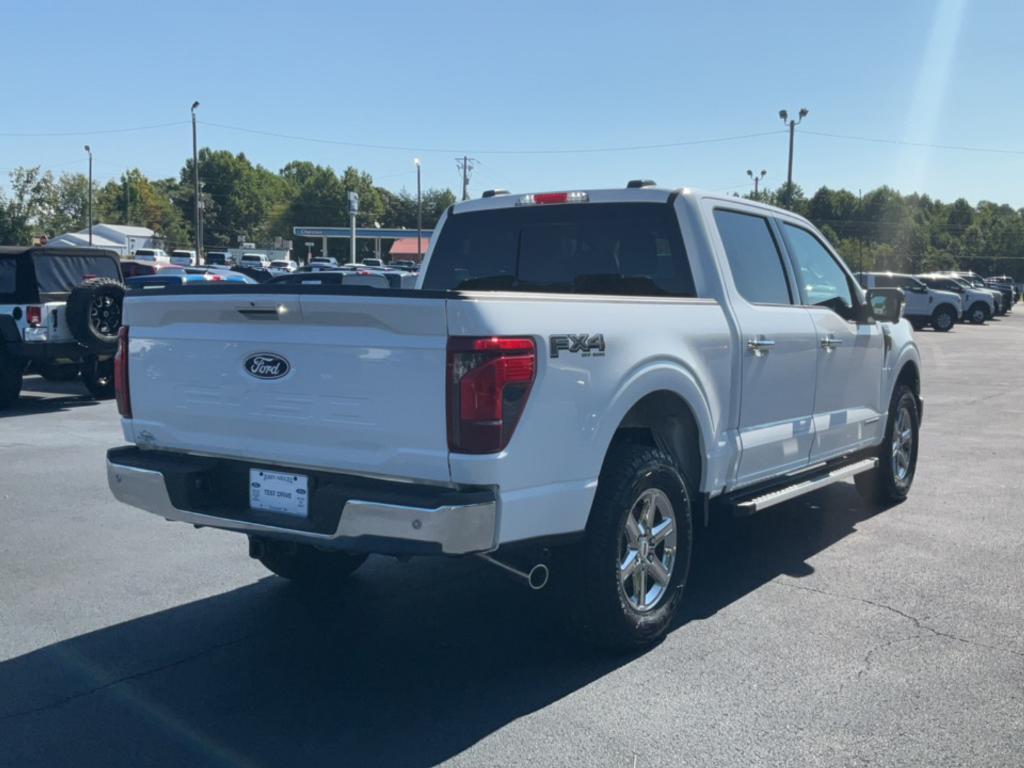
{"x":124,"y":399}
{"x":489,"y":381}
{"x":34,"y":316}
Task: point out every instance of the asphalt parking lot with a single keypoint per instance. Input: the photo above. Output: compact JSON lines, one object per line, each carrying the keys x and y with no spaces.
{"x":817,"y":633}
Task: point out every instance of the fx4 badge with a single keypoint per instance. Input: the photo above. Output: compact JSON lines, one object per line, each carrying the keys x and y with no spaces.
{"x":584,"y":344}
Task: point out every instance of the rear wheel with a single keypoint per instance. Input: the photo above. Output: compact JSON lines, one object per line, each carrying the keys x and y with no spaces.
{"x":890,"y":481}
{"x":98,"y":377}
{"x":305,"y":565}
{"x":943,"y":319}
{"x":12,"y":371}
{"x":636,"y":555}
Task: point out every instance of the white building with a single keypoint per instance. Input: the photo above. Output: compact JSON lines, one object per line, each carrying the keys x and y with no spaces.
{"x":120,"y":238}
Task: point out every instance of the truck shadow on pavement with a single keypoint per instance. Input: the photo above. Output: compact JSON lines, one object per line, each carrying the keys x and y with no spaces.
{"x":410,"y":665}
{"x":41,"y":396}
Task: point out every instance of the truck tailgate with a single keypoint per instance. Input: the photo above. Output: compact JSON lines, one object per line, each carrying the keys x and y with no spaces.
{"x":361,"y":388}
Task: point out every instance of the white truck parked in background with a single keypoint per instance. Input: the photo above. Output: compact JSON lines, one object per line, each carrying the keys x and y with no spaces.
{"x":579,"y":376}
{"x":923,"y":305}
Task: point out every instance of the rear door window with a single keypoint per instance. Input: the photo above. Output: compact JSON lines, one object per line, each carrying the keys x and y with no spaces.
{"x":754,"y":258}
{"x":601,"y":248}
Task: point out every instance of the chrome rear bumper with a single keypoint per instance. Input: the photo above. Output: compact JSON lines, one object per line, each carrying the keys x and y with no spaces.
{"x":364,"y":524}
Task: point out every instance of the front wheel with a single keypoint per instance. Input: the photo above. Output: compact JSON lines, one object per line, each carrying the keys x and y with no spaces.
{"x":98,"y":377}
{"x":636,"y":556}
{"x":890,"y":481}
{"x":12,"y":370}
{"x":978,"y":313}
{"x":943,"y":319}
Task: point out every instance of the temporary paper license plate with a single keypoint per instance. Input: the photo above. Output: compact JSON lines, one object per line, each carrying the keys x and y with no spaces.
{"x":280,"y":492}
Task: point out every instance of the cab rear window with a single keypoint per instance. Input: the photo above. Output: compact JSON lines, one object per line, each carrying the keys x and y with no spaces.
{"x":602,"y":248}
{"x":8,"y":270}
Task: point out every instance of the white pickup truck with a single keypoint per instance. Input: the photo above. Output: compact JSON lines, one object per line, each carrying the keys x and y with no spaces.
{"x":578,"y":379}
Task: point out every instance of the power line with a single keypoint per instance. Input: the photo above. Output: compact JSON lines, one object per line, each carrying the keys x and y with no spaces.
{"x":38,"y":134}
{"x":926,"y":145}
{"x":562,"y":151}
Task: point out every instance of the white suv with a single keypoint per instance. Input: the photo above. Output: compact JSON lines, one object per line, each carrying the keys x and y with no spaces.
{"x":254,"y":261}
{"x":978,"y":306}
{"x":156,"y":255}
{"x":924,"y":306}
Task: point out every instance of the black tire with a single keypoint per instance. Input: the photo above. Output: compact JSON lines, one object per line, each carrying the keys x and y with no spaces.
{"x":94,"y":314}
{"x":304,"y":565}
{"x":943,"y":319}
{"x":884,"y":485}
{"x":977,"y":314}
{"x":12,"y":371}
{"x":98,"y":377}
{"x":606,"y":612}
{"x":61,"y":372}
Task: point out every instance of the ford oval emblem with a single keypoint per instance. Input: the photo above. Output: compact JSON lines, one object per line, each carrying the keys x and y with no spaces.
{"x":266,"y":365}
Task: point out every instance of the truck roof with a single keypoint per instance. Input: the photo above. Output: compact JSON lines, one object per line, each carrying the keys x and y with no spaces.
{"x":651,"y":193}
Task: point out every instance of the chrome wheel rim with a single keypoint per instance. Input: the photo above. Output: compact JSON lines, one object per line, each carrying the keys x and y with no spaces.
{"x":902,"y":447}
{"x":647,"y":550}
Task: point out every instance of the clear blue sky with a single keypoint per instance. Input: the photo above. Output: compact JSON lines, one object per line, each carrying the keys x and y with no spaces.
{"x":480,"y":76}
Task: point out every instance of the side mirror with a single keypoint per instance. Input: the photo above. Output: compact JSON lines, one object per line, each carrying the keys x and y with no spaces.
{"x":885,"y":304}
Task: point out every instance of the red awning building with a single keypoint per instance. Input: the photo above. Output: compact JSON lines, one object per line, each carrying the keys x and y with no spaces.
{"x":405,"y":249}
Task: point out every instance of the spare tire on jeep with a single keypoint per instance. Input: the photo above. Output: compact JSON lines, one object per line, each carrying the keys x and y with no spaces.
{"x":94,"y":313}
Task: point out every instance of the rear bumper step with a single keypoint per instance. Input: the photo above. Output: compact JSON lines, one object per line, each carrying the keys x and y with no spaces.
{"x":813,"y":483}
{"x":354,"y":514}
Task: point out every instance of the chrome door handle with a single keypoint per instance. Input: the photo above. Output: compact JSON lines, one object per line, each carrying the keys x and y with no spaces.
{"x":760,"y":346}
{"x":830,"y":342}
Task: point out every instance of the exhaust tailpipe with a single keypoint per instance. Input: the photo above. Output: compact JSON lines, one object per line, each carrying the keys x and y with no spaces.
{"x":536,"y":578}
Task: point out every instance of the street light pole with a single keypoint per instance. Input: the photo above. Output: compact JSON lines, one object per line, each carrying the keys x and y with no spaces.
{"x":89,"y":150}
{"x":419,"y":213}
{"x":756,"y":179}
{"x":792,"y":130}
{"x":195,"y":181}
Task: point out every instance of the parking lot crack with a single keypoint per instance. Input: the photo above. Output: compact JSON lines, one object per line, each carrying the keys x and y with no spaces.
{"x":63,"y":700}
{"x":917,"y":622}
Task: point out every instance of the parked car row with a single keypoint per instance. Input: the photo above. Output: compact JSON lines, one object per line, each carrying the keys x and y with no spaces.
{"x":941,"y":299}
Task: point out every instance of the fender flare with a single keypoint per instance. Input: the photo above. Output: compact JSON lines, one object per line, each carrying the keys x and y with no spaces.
{"x":909,"y":355}
{"x":657,"y":376}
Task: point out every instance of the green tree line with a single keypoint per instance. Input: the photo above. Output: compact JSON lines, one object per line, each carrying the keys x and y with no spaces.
{"x":879,"y":230}
{"x":242,"y":202}
{"x":884,"y":230}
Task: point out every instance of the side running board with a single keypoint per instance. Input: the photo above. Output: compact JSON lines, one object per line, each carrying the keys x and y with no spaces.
{"x":779,"y":495}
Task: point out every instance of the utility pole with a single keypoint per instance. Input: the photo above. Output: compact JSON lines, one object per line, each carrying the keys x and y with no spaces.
{"x":465,"y":164}
{"x":792,"y":130}
{"x":89,"y":150}
{"x":195,"y":181}
{"x":419,"y":214}
{"x":128,"y":198}
{"x":756,"y":179}
{"x":353,"y":209}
